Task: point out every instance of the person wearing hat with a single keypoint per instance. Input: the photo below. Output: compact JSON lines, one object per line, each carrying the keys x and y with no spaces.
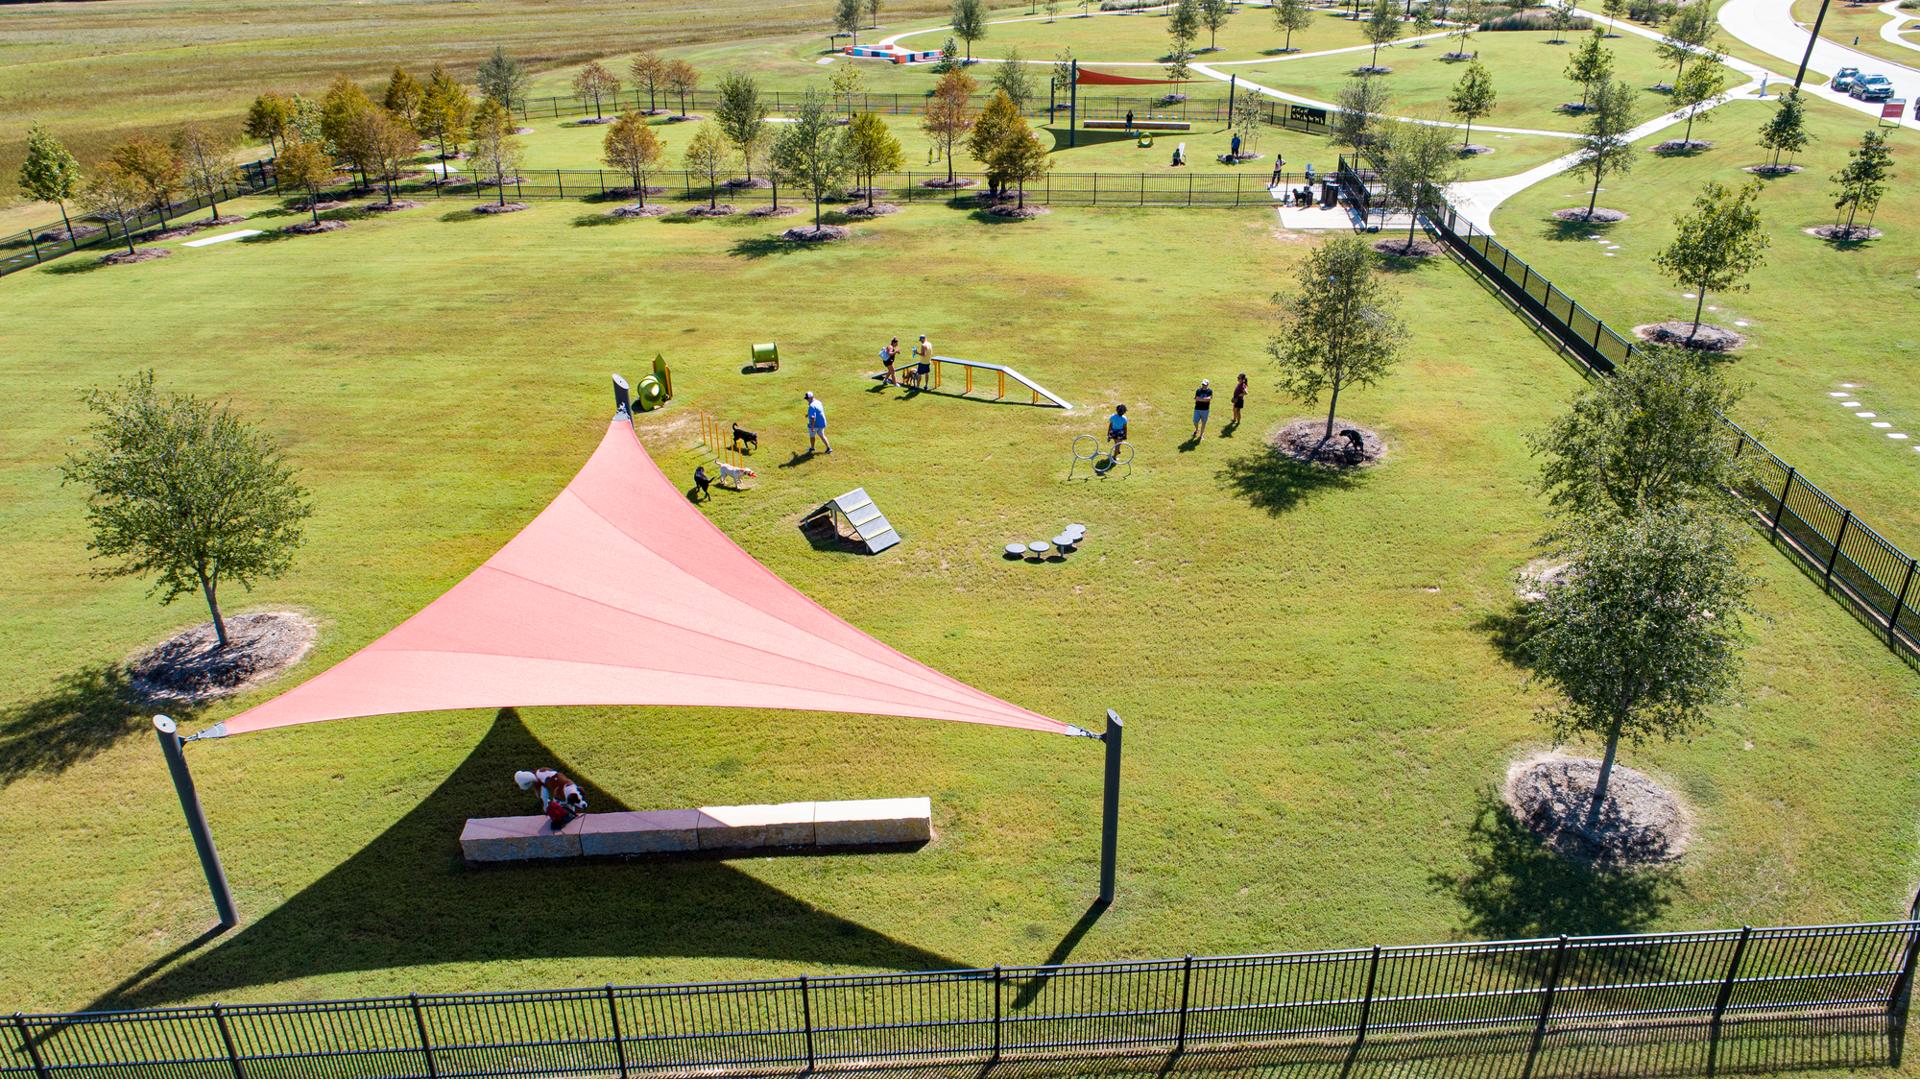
{"x":560,"y":798}
{"x":1202,"y":403}
{"x":816,"y":423}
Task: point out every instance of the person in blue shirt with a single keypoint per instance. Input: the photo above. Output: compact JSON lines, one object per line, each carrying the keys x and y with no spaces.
{"x":816,"y":423}
{"x":1117,"y":427}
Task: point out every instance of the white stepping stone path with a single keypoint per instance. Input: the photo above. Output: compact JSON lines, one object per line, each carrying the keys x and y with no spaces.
{"x":1865,"y":415}
{"x":1881,"y":424}
{"x":237,"y":234}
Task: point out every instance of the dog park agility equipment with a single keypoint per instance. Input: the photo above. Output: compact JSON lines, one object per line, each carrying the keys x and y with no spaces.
{"x":855,"y":513}
{"x":652,"y":392}
{"x":891,"y":53}
{"x":1002,"y":374}
{"x":765,"y":358}
{"x":713,"y":440}
{"x":1098,"y":458}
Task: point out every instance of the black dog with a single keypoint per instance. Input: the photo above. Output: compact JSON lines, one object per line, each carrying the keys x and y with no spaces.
{"x":742,"y":435}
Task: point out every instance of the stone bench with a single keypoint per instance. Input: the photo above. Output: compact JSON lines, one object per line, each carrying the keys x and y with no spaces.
{"x":1138,"y":125}
{"x":855,"y":823}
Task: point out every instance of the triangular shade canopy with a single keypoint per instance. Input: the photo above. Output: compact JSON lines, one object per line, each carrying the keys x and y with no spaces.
{"x":622,"y":593}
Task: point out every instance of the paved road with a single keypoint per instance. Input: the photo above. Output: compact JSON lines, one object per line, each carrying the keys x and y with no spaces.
{"x":1768,"y":25}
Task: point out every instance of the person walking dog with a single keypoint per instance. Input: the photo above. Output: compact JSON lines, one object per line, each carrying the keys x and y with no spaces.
{"x":816,"y":423}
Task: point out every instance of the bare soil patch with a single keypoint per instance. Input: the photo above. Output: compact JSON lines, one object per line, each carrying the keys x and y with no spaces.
{"x":1531,"y":582}
{"x":1302,"y":440}
{"x":816,"y":234}
{"x":1239,"y":159}
{"x":945,"y":184}
{"x":1641,"y":823}
{"x":656,"y":210}
{"x":308,"y":228}
{"x":492,"y":181}
{"x":879,"y":209}
{"x":1373,"y":69}
{"x":1843,"y":234}
{"x":722,"y":210}
{"x":1709,"y":338}
{"x":773,"y":211}
{"x":137,"y":255}
{"x":1600,"y":215}
{"x":190,"y":667}
{"x":1407,"y":249}
{"x":501,"y":208}
{"x":856,"y":193}
{"x":523,"y":130}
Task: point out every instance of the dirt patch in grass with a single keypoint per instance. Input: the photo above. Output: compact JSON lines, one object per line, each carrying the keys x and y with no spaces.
{"x":597,"y":120}
{"x":323,"y":205}
{"x":1407,"y":249}
{"x":501,"y":208}
{"x":1709,"y":338}
{"x":1599,"y":215}
{"x":630,"y":192}
{"x":1017,"y":212}
{"x":137,"y":255}
{"x":773,"y":211}
{"x":1531,"y":582}
{"x":816,"y":234}
{"x":879,"y":209}
{"x":308,"y":228}
{"x":1302,"y":440}
{"x":1640,"y":824}
{"x":655,"y":210}
{"x":1843,"y":235}
{"x":191,"y":667}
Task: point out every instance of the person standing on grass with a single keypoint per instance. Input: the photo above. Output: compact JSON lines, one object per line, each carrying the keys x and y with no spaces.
{"x":888,"y":355}
{"x":1117,"y":429}
{"x":1129,"y":121}
{"x":1202,"y":405}
{"x":1239,"y":398}
{"x":816,"y":423}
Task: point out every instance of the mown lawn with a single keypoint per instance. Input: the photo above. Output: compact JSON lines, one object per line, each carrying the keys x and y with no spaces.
{"x":1312,"y":670}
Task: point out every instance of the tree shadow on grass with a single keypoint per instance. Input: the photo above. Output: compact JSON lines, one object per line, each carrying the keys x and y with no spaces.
{"x":761,"y":247}
{"x":1510,"y":631}
{"x":588,"y":221}
{"x":407,"y":899}
{"x":79,"y":262}
{"x":1560,"y":231}
{"x":1515,"y":887}
{"x":1276,"y":483}
{"x":85,"y":714}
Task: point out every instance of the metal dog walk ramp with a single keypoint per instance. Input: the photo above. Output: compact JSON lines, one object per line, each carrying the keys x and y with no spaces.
{"x":855,"y":513}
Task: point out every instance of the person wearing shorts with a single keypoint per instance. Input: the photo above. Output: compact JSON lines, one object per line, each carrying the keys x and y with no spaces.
{"x":1117,"y":428}
{"x":1202,"y":405}
{"x":1239,"y":398}
{"x":889,"y":354}
{"x":816,"y":423}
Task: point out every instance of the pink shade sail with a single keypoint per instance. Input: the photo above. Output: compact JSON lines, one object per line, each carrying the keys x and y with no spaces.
{"x":621,"y":592}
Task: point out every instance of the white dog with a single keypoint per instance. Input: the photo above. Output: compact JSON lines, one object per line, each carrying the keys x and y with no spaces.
{"x":731,"y":475}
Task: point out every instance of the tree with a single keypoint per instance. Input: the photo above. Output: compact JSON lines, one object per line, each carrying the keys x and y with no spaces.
{"x":1382,"y":27}
{"x":117,"y":197}
{"x":1020,"y":158}
{"x":1615,"y":10}
{"x":997,"y":125}
{"x":1785,"y":132}
{"x":344,"y":110}
{"x":1863,"y":180}
{"x":872,"y":149}
{"x":1053,"y":9}
{"x":306,"y":166}
{"x":1180,"y":62}
{"x":1642,"y":636}
{"x":1717,"y":244}
{"x":846,"y":18}
{"x":446,"y":111}
{"x":1339,"y":328}
{"x":949,"y":113}
{"x":873,"y":13}
{"x":1420,"y":161}
{"x":709,"y":154}
{"x":1291,"y":16}
{"x":1699,"y":90}
{"x":632,"y":147}
{"x":501,"y":79}
{"x":949,"y":57}
{"x":845,"y":82}
{"x":403,"y":97}
{"x":812,"y":151}
{"x":651,"y":72}
{"x":1423,"y":23}
{"x":1603,"y":147}
{"x":969,"y":20}
{"x":391,"y":143}
{"x":155,"y":166}
{"x":497,"y":153}
{"x":1589,"y":64}
{"x":1214,"y":15}
{"x":1472,"y":98}
{"x":1248,"y":118}
{"x":1471,"y":16}
{"x":742,"y":116}
{"x":206,"y":161}
{"x":1013,"y":80}
{"x":1361,"y":104}
{"x":595,"y":82}
{"x":1063,"y":71}
{"x":49,"y":173}
{"x":1560,"y":14}
{"x":1689,"y":30}
{"x":269,"y":118}
{"x":186,"y":492}
{"x":305,"y":122}
{"x":1183,"y":25}
{"x":682,"y":79}
{"x":1652,"y":435}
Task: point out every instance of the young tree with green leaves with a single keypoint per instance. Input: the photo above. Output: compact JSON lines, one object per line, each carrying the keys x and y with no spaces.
{"x":1472,"y":98}
{"x":500,"y":78}
{"x":710,"y":154}
{"x":846,"y":18}
{"x":1214,"y":15}
{"x":812,"y":151}
{"x":1419,"y":162}
{"x":872,"y":149}
{"x":445,"y":110}
{"x":206,"y":161}
{"x":1339,"y":328}
{"x":1615,"y":10}
{"x":1697,"y":92}
{"x":1687,"y":32}
{"x":50,"y":173}
{"x":304,"y":165}
{"x":1472,"y":14}
{"x":1560,"y":15}
{"x":155,"y":165}
{"x":1020,"y":158}
{"x":269,"y":118}
{"x":1589,"y":64}
{"x":117,"y":197}
{"x":403,"y":96}
{"x":846,"y":82}
{"x":1654,"y":434}
{"x":343,"y":112}
{"x":1291,"y":17}
{"x":1361,"y":106}
{"x":595,"y":83}
{"x":1063,"y":71}
{"x":1183,"y":26}
{"x":632,"y":147}
{"x":1012,"y":79}
{"x":1180,"y":62}
{"x":497,"y":153}
{"x":1053,"y":9}
{"x":1785,"y":132}
{"x":1423,"y":24}
{"x":1716,"y":244}
{"x":997,"y":125}
{"x":1604,"y":149}
{"x":682,"y":79}
{"x":1862,"y":181}
{"x":873,"y":13}
{"x":742,"y":116}
{"x":649,"y":72}
{"x":949,"y":113}
{"x":969,"y":19}
{"x":1248,"y":118}
{"x":1382,"y":28}
{"x":391,"y":143}
{"x":1641,"y":638}
{"x":185,"y":492}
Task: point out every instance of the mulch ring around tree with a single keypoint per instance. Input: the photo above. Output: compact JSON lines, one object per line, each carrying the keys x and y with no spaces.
{"x":1016,"y":211}
{"x":773,"y":211}
{"x":1600,"y":215}
{"x":1709,"y":338}
{"x":656,"y":210}
{"x":597,"y":120}
{"x":1303,"y":440}
{"x":1682,"y":146}
{"x":1474,"y":149}
{"x":384,"y":207}
{"x":1775,"y":170}
{"x":501,"y":208}
{"x":308,"y":228}
{"x":628,"y":192}
{"x":856,"y":194}
{"x":190,"y":667}
{"x":722,"y":210}
{"x":137,"y":255}
{"x":61,"y":235}
{"x":816,"y":234}
{"x":1403,"y":248}
{"x":684,"y":118}
{"x":523,"y":131}
{"x":1239,"y":159}
{"x":945,"y":184}
{"x":324,"y":205}
{"x":1372,"y":69}
{"x":1531,"y":582}
{"x":1641,"y":824}
{"x":1844,"y":235}
{"x":741,"y":183}
{"x":879,"y":209}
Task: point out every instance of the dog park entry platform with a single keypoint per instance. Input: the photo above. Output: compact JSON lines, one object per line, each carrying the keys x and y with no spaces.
{"x":855,"y":513}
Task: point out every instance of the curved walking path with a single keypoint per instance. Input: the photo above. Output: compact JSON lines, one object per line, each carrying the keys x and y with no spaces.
{"x":1897,"y":20}
{"x":1768,"y":25}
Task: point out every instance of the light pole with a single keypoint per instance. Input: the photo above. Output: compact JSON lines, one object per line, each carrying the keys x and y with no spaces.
{"x":173,"y":747}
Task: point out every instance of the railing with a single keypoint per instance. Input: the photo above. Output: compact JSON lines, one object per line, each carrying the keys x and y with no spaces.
{"x":1871,"y":575}
{"x":1527,"y":998}
{"x":32,"y":247}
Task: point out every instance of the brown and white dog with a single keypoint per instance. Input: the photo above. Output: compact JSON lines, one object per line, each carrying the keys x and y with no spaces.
{"x":731,"y":475}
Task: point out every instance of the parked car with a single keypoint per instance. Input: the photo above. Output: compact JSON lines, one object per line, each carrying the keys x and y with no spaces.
{"x":1844,"y":78}
{"x":1871,"y":88}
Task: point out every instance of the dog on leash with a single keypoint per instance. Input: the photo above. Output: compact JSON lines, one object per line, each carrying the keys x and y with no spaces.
{"x":731,"y":475}
{"x":741,"y":435}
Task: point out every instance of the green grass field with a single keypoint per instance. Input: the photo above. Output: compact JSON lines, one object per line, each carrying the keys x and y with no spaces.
{"x":1313,"y":672}
{"x":1847,"y":20}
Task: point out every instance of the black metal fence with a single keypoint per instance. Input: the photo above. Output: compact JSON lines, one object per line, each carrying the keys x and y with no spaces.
{"x":34,"y":246}
{"x":1871,"y":575}
{"x":1535,"y":998}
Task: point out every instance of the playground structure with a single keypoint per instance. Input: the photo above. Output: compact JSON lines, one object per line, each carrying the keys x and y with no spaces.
{"x":936,"y":379}
{"x":1098,"y":458}
{"x":714,"y":440}
{"x":764,"y":358}
{"x":855,"y":513}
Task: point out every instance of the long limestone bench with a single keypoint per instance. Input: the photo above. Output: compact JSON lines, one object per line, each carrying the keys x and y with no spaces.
{"x":855,"y":823}
{"x":1138,"y":125}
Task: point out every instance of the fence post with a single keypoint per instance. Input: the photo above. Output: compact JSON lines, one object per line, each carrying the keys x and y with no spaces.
{"x":1781,"y":507}
{"x":1546,"y":1004}
{"x":806,"y":1019}
{"x":1725,"y":995}
{"x":1901,"y":993}
{"x":1186,"y":989}
{"x":1366,"y":1005}
{"x":420,"y":1024}
{"x":619,"y":1041}
{"x":996,"y":1013}
{"x":1846,"y":519}
{"x":560,"y":183}
{"x":35,"y":241}
{"x":226,"y":1039}
{"x":1893,"y":620}
{"x":32,"y":1048}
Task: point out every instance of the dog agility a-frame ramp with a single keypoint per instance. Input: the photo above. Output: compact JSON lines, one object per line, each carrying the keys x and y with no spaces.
{"x":855,"y":513}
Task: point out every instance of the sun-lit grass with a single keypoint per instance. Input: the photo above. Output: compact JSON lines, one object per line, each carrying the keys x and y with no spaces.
{"x":1847,"y":21}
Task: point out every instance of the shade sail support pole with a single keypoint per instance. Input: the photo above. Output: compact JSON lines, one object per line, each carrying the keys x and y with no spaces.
{"x":173,"y":747}
{"x":1110,"y":808}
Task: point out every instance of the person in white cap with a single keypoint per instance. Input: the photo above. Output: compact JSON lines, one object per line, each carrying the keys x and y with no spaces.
{"x":1202,"y":404}
{"x":816,"y":423}
{"x":560,"y":798}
